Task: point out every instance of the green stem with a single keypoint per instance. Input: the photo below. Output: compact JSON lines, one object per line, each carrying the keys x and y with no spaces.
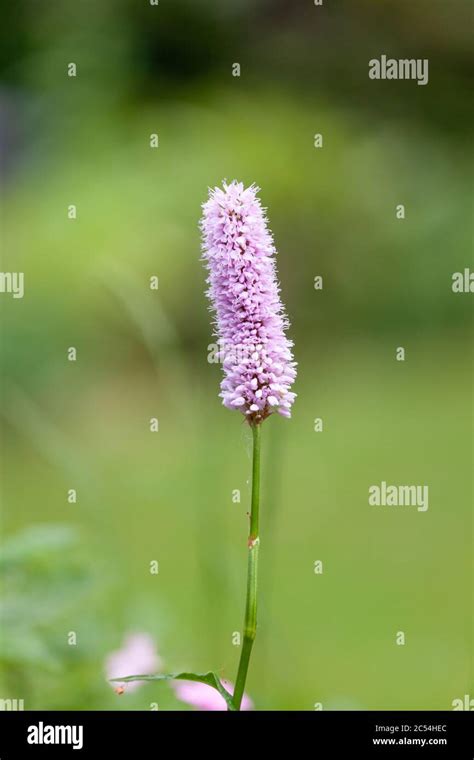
{"x":250,"y":622}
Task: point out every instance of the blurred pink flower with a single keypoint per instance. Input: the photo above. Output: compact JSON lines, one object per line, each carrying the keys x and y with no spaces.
{"x":205,"y":697}
{"x":138,"y":656}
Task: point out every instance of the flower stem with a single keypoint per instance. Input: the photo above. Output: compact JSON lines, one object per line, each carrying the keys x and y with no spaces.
{"x":250,"y":621}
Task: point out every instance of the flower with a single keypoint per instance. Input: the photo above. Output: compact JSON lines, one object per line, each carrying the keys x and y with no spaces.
{"x":205,"y":697}
{"x":250,"y":321}
{"x":137,"y":656}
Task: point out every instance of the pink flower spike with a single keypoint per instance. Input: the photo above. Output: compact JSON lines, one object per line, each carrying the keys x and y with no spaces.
{"x":250,"y":320}
{"x":205,"y":697}
{"x":138,"y":656}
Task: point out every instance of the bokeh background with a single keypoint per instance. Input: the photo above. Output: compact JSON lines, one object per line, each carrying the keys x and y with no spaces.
{"x":167,"y":496}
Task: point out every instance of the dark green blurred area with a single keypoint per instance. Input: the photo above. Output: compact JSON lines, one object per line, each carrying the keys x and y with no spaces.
{"x":167,"y":496}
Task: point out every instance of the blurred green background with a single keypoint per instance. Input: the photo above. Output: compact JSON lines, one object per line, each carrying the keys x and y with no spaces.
{"x":167,"y":496}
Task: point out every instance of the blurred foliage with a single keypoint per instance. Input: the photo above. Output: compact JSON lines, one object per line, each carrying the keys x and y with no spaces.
{"x":40,"y":579}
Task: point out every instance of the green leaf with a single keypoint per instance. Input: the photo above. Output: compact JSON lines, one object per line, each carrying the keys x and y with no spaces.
{"x":37,"y":543}
{"x":210,"y":679}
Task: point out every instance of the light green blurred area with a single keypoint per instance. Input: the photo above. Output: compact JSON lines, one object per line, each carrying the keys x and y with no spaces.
{"x":167,"y":496}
